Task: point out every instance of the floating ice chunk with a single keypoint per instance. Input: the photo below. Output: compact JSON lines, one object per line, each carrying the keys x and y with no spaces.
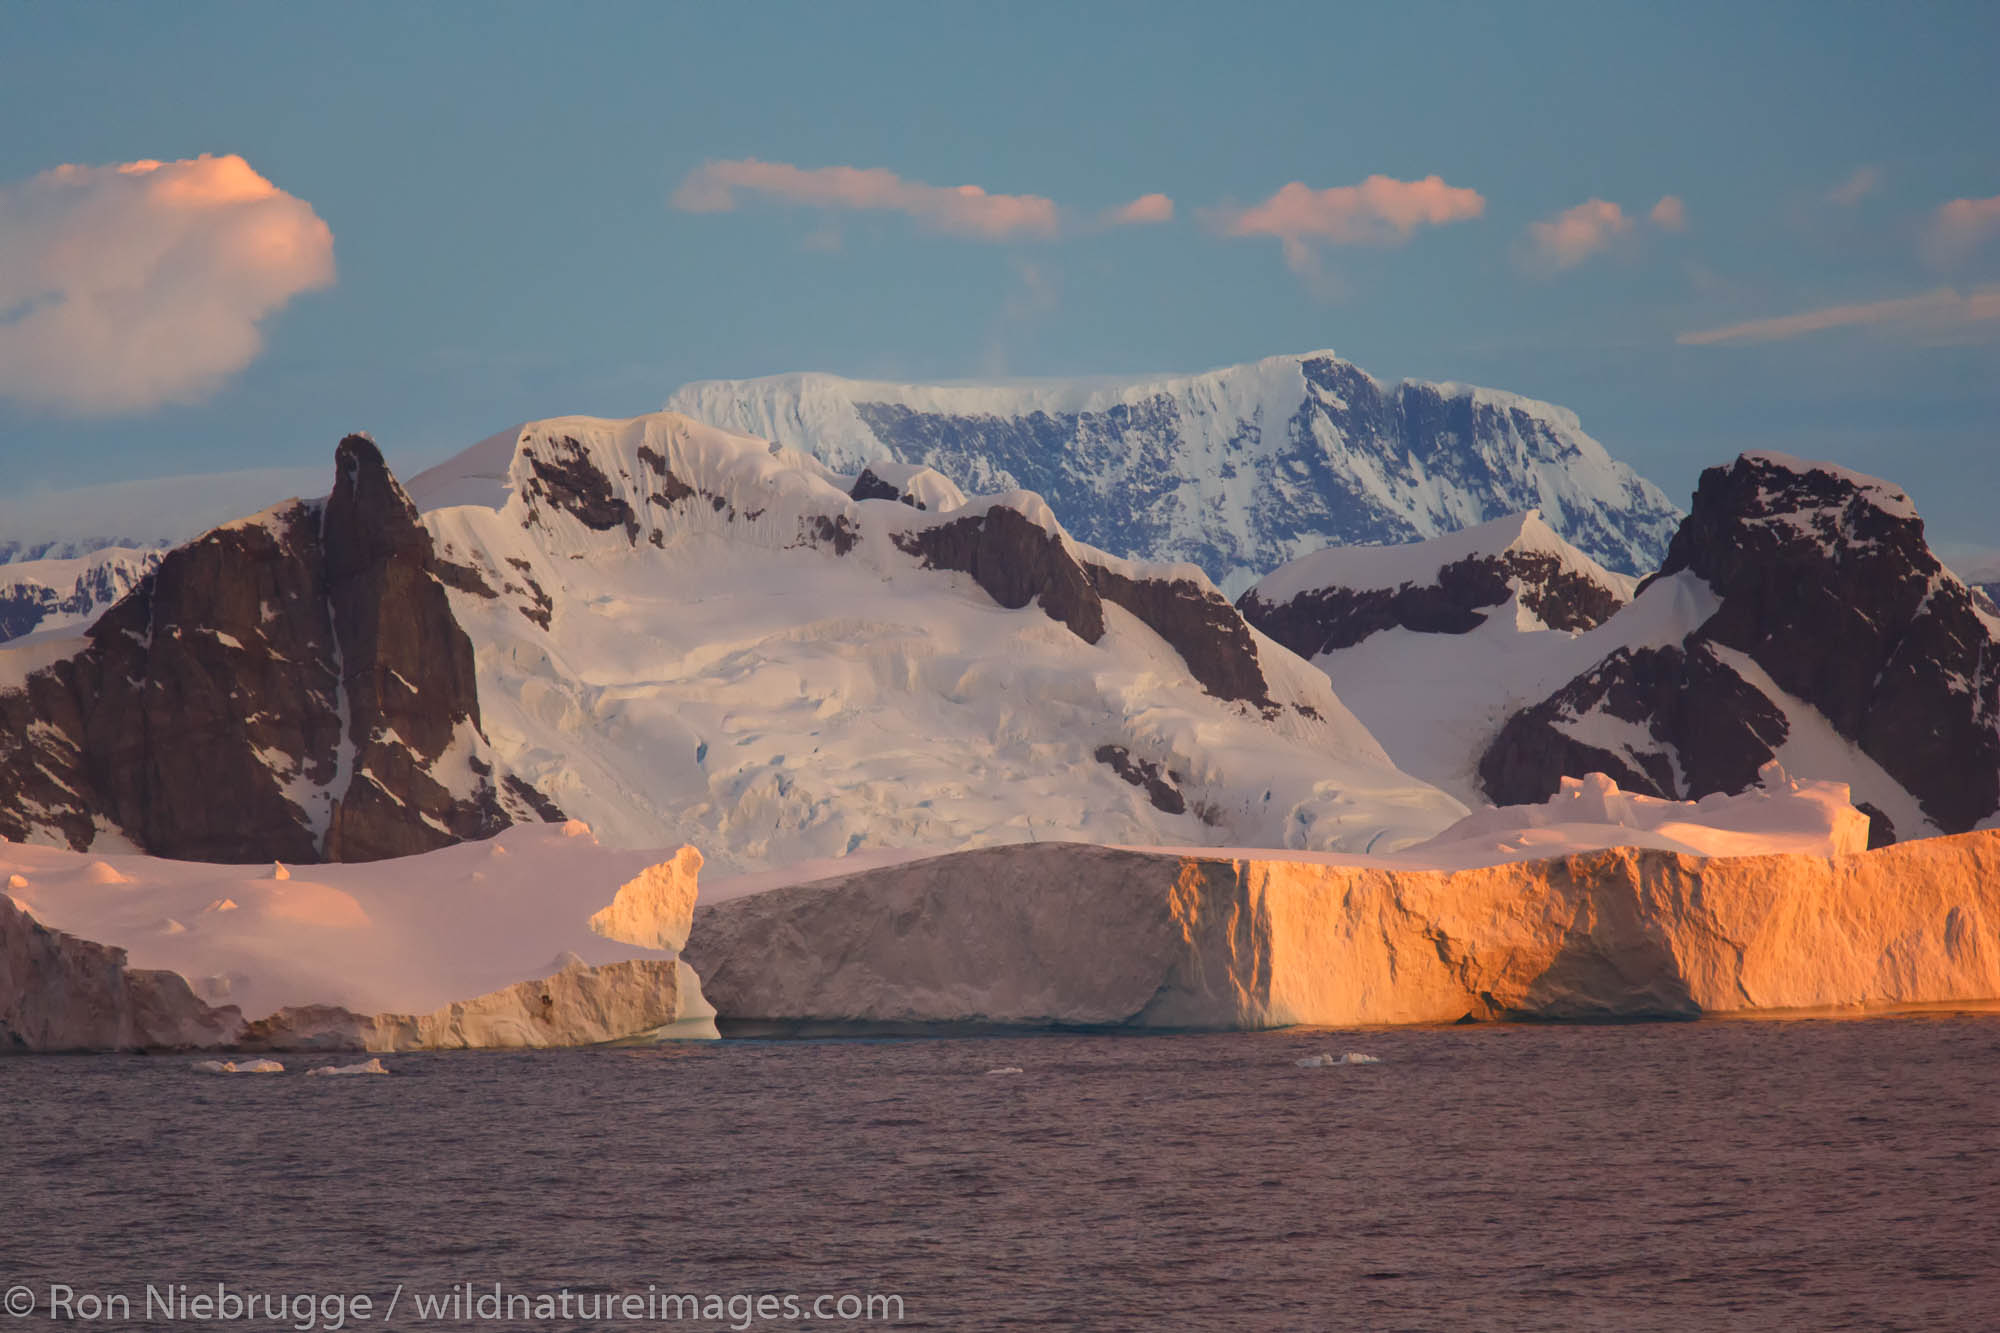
{"x":278,"y":870}
{"x":17,"y":881}
{"x":1006,"y":1069}
{"x":221,"y":905}
{"x":371,"y":1066}
{"x":231,"y":1067}
{"x":103,"y":872}
{"x":1315,"y":1061}
{"x":1357,"y":1058}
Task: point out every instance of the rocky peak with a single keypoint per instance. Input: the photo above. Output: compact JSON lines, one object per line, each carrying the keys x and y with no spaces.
{"x":1830,"y":599}
{"x":287,"y":686}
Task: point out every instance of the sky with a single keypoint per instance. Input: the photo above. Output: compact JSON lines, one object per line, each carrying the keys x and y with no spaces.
{"x":231,"y":233}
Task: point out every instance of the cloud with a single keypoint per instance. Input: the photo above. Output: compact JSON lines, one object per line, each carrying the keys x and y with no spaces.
{"x":126,"y":287}
{"x":1943,"y":315}
{"x":1575,"y":234}
{"x":962,"y":210}
{"x":1864,"y":182}
{"x":1962,"y":226}
{"x":1670,"y":214}
{"x":1147,"y":208}
{"x":1379,"y":211}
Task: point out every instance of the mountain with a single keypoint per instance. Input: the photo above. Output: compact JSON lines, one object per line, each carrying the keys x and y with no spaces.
{"x":1236,"y":470}
{"x":1434,"y":644}
{"x":684,"y":635}
{"x":290,"y":685}
{"x":52,"y":593}
{"x":1820,"y":631}
{"x":74,"y":548}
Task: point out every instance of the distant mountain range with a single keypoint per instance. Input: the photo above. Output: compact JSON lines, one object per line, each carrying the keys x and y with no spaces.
{"x":1235,"y":470}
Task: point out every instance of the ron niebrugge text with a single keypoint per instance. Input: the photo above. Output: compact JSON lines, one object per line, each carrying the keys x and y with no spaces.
{"x":462,"y":1303}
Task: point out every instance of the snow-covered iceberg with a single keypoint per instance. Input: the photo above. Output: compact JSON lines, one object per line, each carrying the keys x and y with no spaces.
{"x":538,"y":937}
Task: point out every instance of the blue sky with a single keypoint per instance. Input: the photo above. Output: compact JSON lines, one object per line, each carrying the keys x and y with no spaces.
{"x":498,"y":185}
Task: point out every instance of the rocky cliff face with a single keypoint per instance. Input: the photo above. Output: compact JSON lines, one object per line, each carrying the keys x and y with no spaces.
{"x":1237,"y":470}
{"x":51,"y":594}
{"x":291,"y":686}
{"x":1066,"y":934}
{"x":1833,"y":627}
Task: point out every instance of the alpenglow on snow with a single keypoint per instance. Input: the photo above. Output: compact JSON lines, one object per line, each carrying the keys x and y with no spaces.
{"x":1236,"y":470}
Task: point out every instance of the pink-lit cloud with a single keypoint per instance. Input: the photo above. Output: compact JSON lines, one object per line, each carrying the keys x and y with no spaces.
{"x":1943,"y":315}
{"x":1147,"y":208}
{"x":1962,"y":226}
{"x":1575,"y":234}
{"x":126,"y":287}
{"x":1380,"y":211}
{"x":1864,"y":182}
{"x":1670,"y":214}
{"x":961,"y":210}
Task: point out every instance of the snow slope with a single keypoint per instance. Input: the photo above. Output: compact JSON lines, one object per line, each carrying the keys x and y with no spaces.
{"x":1237,"y":470}
{"x":684,"y":635}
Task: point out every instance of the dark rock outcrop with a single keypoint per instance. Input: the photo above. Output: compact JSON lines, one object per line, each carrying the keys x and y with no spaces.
{"x":1017,"y":561}
{"x":868,"y":486}
{"x":1324,"y":620}
{"x":1828,"y":589}
{"x":1161,"y":787}
{"x":282,"y":687}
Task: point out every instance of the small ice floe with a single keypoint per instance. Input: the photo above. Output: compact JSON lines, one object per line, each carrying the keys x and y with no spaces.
{"x":370,"y":1066}
{"x":232,"y":1067}
{"x":1348,"y":1058}
{"x":1006,"y":1069}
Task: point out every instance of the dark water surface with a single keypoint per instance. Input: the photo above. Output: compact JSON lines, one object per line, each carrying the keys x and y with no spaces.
{"x":1742,"y":1176}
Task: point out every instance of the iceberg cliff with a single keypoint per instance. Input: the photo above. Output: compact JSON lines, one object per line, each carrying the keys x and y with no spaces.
{"x":1072,"y":934}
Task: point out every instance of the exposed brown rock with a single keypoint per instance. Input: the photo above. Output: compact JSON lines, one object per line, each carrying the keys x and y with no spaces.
{"x":279,"y":688}
{"x":1016,"y":561}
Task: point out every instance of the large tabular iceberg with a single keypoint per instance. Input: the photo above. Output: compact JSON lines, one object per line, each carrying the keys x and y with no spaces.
{"x":1063,"y":933}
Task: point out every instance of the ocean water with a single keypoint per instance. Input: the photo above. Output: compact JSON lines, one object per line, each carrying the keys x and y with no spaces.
{"x":1717,"y":1175}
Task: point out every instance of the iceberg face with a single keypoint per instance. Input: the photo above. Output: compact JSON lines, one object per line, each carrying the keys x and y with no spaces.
{"x":1069,"y":934}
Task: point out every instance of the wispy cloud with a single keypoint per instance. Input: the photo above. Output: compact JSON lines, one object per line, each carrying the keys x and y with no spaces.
{"x":1670,"y":214}
{"x":126,"y":287}
{"x":1575,"y":234}
{"x":1961,"y":227}
{"x":1381,"y":210}
{"x":1864,"y":182}
{"x":1146,"y":209}
{"x":956,"y":210}
{"x":1943,"y":315}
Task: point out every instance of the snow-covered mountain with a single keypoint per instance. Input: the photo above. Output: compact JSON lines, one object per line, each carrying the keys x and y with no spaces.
{"x":1435,"y":644}
{"x":1800,"y":616}
{"x":75,"y":548}
{"x":687,"y":635}
{"x":54,"y":592}
{"x":1236,"y":470}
